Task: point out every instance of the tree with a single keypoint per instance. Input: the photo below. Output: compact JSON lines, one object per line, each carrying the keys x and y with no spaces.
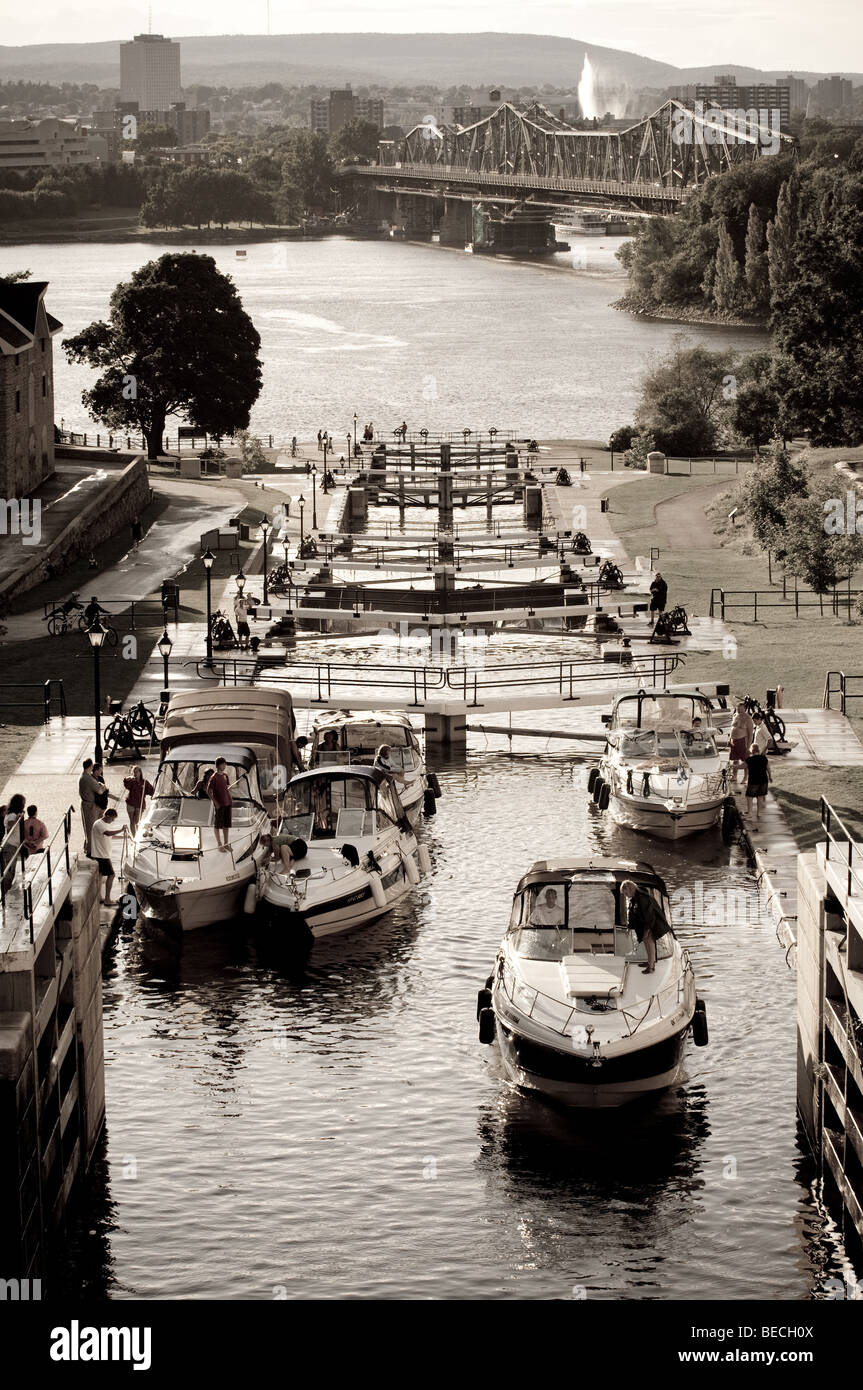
{"x":307,"y":170}
{"x":728,"y":283}
{"x":357,"y":139}
{"x":153,"y":137}
{"x":252,"y":456}
{"x":755,"y":413}
{"x":177,"y":341}
{"x":755,"y":264}
{"x":766,"y":492}
{"x":14,"y":276}
{"x":782,"y":235}
{"x":813,"y":553}
{"x":681,"y":398}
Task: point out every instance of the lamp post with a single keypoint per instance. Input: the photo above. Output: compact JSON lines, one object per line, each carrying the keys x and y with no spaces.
{"x":315,"y":491}
{"x":265,"y":528}
{"x":165,"y":646}
{"x":97,"y":634}
{"x":287,"y":572}
{"x":241,"y":582}
{"x":301,"y":502}
{"x":355,"y":434}
{"x":209,"y":560}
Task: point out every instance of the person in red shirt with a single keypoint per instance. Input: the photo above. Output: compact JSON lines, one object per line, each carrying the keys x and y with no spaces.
{"x":218,"y":790}
{"x":35,"y":832}
{"x":137,"y":791}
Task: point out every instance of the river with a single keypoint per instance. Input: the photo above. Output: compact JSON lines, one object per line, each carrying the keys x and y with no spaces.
{"x":343,"y":1133}
{"x":398,"y":331}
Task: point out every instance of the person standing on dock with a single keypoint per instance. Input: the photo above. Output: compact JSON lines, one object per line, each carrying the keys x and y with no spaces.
{"x":88,"y":788}
{"x":100,"y":832}
{"x":759,"y":779}
{"x":137,"y":791}
{"x":320,"y":441}
{"x":762,"y":737}
{"x":645,"y":918}
{"x":659,"y":597}
{"x":740,"y":736}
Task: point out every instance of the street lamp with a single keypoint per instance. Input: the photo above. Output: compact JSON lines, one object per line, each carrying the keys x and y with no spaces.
{"x":287,"y":572}
{"x":301,"y":502}
{"x":97,"y":634}
{"x":265,"y":527}
{"x":315,"y":491}
{"x":241,"y":582}
{"x":165,"y":646}
{"x":209,"y":560}
{"x":355,"y":434}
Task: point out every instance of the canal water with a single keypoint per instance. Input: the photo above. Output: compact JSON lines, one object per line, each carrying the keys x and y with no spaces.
{"x":399,"y":331}
{"x":341,"y":1132}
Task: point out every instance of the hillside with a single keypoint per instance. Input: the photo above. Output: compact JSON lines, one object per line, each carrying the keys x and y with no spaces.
{"x":392,"y":59}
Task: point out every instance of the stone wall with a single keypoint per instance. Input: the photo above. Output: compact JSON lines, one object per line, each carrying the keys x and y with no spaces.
{"x":126,"y":494}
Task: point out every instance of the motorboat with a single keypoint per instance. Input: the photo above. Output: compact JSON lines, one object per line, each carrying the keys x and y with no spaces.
{"x":661,"y":771}
{"x":574,"y":1015}
{"x":345,"y":738}
{"x":175,"y":866}
{"x":361,"y":855}
{"x":177,"y":869}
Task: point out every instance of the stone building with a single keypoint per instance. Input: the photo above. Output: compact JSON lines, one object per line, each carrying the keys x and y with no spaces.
{"x":26,"y":387}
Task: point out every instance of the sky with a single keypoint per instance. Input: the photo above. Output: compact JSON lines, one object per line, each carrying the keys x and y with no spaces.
{"x":772,"y":34}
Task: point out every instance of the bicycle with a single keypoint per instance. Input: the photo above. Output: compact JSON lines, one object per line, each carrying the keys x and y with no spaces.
{"x":60,"y":619}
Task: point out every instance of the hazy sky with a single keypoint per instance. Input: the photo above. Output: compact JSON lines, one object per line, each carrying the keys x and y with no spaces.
{"x":785,"y":34}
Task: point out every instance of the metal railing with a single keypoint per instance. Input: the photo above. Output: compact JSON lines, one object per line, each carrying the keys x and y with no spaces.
{"x":556,"y":677}
{"x":38,"y":869}
{"x":837,"y":683}
{"x":844,"y":855}
{"x":331,"y":679}
{"x":51,"y":691}
{"x":831,"y":604}
{"x":131,"y":610}
{"x":571,"y":1015}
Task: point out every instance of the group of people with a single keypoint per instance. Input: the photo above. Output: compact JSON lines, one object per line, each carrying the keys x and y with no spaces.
{"x":749,"y":740}
{"x":100,"y":820}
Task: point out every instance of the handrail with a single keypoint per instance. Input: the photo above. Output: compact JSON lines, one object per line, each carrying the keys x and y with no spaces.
{"x":831,"y":822}
{"x":841,"y":690}
{"x":562,"y":674}
{"x":562,"y":1030}
{"x":836,"y":600}
{"x":47,"y":697}
{"x":43,"y":858}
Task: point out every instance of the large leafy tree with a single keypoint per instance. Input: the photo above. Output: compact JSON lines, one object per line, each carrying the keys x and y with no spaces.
{"x":358,"y":138}
{"x":682,"y":398}
{"x":177,"y":342}
{"x":766,"y":493}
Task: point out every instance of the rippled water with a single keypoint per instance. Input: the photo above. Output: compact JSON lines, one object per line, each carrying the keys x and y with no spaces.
{"x":343,"y":1133}
{"x":395,"y":331}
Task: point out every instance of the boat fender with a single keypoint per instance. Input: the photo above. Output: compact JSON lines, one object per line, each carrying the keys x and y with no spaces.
{"x":645,"y":784}
{"x":424,"y":859}
{"x":592,"y":777}
{"x":483,"y":1001}
{"x":378,"y":891}
{"x":604,"y":797}
{"x":700,"y":1034}
{"x":597,"y":788}
{"x":434,"y":784}
{"x":730,"y":820}
{"x":486,"y":1026}
{"x":629,"y":781}
{"x":250,"y":901}
{"x":412,"y":873}
{"x":429,"y":802}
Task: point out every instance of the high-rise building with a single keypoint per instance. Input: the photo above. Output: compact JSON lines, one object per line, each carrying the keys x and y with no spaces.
{"x":46,"y":144}
{"x":333,"y":112}
{"x":799,"y":93}
{"x":832,"y":93}
{"x":150,"y":72}
{"x":725,"y":92}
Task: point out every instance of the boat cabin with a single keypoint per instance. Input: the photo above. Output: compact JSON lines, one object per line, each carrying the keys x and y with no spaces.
{"x":660,"y":711}
{"x":355,"y":804}
{"x":560,"y":911}
{"x":180,"y":800}
{"x":254,"y":718}
{"x":342,"y":741}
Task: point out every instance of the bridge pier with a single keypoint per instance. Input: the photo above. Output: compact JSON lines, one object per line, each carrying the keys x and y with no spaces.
{"x":446,"y":730}
{"x":456,"y":223}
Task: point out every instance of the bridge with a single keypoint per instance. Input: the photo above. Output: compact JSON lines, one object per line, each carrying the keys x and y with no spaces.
{"x":527,"y":167}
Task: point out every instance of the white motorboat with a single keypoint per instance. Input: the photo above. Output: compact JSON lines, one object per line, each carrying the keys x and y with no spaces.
{"x":350,"y":739}
{"x":177,"y":868}
{"x":361,"y":853}
{"x":575,"y":1016}
{"x":661,"y":771}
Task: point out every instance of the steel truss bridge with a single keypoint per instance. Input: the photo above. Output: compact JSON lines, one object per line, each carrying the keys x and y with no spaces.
{"x":515,"y":156}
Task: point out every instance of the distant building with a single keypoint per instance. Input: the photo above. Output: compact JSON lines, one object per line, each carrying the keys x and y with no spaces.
{"x":329,"y":115}
{"x":26,"y":388}
{"x":799,"y":93}
{"x":46,"y":144}
{"x":122,"y":123}
{"x":150,"y":72}
{"x":832,"y":93}
{"x":724,"y":91}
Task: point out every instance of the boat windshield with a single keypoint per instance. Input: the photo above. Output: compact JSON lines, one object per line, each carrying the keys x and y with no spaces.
{"x":551,"y":921}
{"x":179,"y":797}
{"x":358,"y":743}
{"x":655,"y":712}
{"x":319,"y":802}
{"x":697,"y":743}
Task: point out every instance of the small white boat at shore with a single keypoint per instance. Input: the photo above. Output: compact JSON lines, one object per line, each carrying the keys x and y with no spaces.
{"x":573,"y":1013}
{"x":661,"y":771}
{"x":348,"y":739}
{"x":361,"y":856}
